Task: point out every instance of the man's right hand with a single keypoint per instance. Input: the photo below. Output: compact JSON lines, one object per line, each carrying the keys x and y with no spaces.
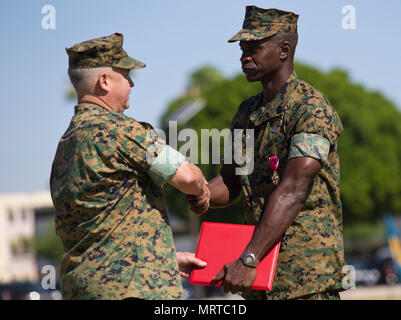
{"x":200,"y":204}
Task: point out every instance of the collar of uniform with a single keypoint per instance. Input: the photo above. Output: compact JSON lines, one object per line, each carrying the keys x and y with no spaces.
{"x":262,"y":111}
{"x":86,"y":106}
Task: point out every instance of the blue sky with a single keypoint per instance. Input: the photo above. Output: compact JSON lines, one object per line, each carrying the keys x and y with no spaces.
{"x":173,"y":38}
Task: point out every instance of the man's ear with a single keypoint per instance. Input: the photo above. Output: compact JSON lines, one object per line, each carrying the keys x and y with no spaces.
{"x":285,"y":49}
{"x":104,"y":82}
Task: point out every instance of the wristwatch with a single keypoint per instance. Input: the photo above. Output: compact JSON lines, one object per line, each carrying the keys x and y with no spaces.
{"x":249,"y":260}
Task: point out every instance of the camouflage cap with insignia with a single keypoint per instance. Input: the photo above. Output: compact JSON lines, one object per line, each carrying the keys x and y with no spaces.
{"x":262,"y":23}
{"x":102,"y":52}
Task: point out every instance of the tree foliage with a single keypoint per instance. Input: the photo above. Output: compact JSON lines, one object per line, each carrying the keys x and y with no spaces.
{"x":48,"y":245}
{"x":369,"y":147}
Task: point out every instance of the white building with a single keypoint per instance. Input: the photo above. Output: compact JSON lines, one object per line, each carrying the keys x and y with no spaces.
{"x":17,"y":232}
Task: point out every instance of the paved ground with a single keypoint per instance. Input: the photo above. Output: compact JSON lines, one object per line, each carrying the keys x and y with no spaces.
{"x":373,"y":293}
{"x":359,"y":293}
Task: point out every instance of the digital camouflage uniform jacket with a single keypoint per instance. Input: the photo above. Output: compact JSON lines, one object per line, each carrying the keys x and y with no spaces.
{"x":298,"y":122}
{"x":110,"y":216}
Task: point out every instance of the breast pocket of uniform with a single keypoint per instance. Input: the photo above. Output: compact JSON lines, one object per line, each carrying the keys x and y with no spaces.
{"x":273,"y":140}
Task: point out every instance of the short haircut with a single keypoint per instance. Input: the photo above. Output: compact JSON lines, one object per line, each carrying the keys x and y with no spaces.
{"x":84,"y":79}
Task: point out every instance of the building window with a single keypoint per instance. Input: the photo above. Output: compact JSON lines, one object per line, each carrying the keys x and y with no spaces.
{"x":22,"y":245}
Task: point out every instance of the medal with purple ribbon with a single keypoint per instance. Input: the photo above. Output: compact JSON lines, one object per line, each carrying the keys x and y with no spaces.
{"x":273,"y":166}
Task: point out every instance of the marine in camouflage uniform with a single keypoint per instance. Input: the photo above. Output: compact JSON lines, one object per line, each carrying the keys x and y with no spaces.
{"x":110,"y":211}
{"x":298,"y":122}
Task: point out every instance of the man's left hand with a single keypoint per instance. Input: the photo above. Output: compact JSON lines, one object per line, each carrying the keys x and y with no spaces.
{"x":187,"y":261}
{"x":236,"y":277}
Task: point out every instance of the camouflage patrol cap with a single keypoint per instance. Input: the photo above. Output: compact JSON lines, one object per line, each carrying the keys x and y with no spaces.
{"x":102,"y":52}
{"x":262,"y":23}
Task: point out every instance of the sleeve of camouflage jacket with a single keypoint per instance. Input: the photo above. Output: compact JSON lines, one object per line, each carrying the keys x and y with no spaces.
{"x":146,"y":151}
{"x":137,"y":144}
{"x":316,"y":130}
{"x":165,"y":165}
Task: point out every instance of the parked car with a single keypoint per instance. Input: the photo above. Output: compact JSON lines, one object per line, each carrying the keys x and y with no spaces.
{"x":374,"y":268}
{"x":384,"y":261}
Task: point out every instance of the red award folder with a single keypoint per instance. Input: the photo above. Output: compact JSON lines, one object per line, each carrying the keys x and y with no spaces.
{"x":221,"y":243}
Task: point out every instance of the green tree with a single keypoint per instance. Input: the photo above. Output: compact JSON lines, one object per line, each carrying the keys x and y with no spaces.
{"x":204,"y":78}
{"x":369,"y":148}
{"x":48,"y":245}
